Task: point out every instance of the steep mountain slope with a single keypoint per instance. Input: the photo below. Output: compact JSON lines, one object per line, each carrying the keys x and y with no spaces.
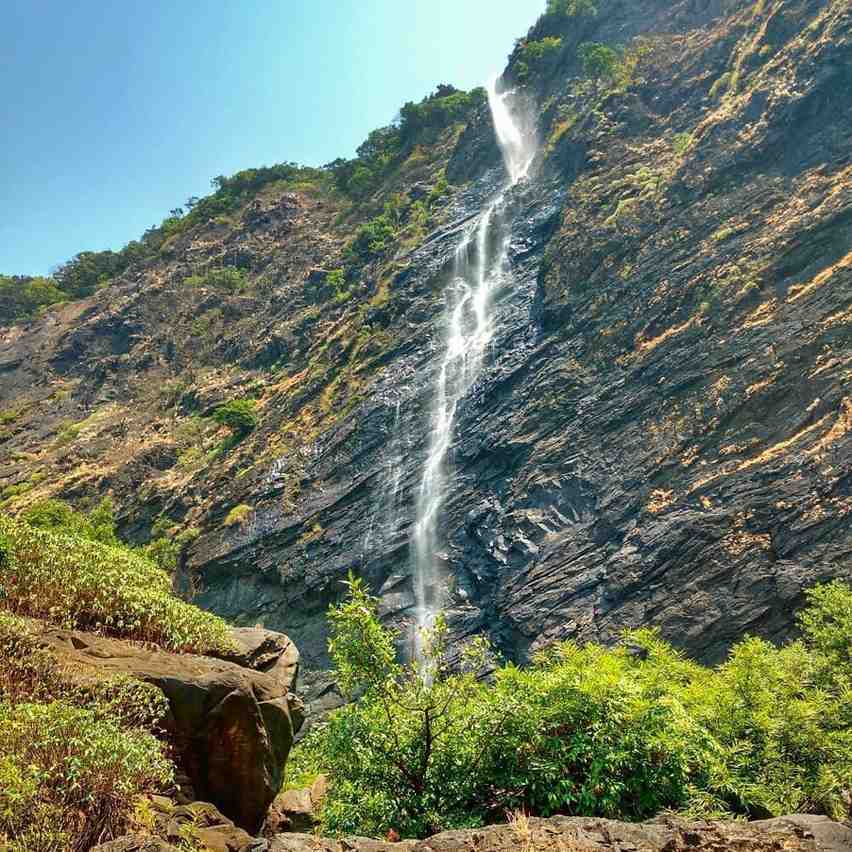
{"x":661,"y":433}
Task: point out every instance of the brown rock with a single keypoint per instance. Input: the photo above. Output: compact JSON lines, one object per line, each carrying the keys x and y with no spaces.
{"x":232,"y":726}
{"x":296,"y":810}
{"x":136,"y":843}
{"x":265,"y":651}
{"x":797,"y":833}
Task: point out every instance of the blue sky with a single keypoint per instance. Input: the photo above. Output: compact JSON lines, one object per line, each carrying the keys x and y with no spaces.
{"x":115,"y":111}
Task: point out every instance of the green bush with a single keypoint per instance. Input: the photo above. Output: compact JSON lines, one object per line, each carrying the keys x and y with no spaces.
{"x":621,"y":732}
{"x":27,"y":671}
{"x":92,"y":586}
{"x":536,"y":56}
{"x":69,"y":778}
{"x":166,"y":547}
{"x":388,"y":146}
{"x":373,"y":239}
{"x":227,"y":278}
{"x":21,"y":296}
{"x":600,"y":62}
{"x":57,"y":515}
{"x":238,"y":416}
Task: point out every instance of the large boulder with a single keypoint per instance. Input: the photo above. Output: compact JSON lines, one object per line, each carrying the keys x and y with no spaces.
{"x":232,"y":726}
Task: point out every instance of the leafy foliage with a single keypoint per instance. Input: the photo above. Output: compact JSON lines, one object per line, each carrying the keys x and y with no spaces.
{"x":373,"y":239}
{"x":93,"y":586}
{"x":76,"y":755}
{"x":387,"y":146}
{"x":622,"y":732}
{"x":69,"y":777}
{"x":28,"y":672}
{"x":166,"y":546}
{"x":599,"y":61}
{"x":535,"y":57}
{"x":228,"y":278}
{"x":238,"y":416}
{"x":21,"y":296}
{"x":57,"y":515}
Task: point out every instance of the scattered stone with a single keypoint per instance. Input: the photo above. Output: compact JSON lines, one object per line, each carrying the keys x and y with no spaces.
{"x":797,"y":833}
{"x":296,"y":810}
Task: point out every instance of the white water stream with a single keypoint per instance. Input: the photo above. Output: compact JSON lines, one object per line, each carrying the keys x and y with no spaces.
{"x":479,"y":269}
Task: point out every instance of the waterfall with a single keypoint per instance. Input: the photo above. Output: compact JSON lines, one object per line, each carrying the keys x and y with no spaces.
{"x":478,"y":270}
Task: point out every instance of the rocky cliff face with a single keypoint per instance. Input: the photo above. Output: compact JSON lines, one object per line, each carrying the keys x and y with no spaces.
{"x":660,"y":435}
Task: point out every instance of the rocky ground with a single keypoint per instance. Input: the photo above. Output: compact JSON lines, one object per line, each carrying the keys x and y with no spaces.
{"x":661,"y":434}
{"x":559,"y":834}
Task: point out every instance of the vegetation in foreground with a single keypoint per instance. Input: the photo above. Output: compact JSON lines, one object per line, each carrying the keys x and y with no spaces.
{"x":78,"y":757}
{"x":621,"y":732}
{"x":78,"y":581}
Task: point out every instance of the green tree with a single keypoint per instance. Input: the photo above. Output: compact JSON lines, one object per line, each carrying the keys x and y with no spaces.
{"x":571,"y":8}
{"x":620,"y":732}
{"x":21,"y":296}
{"x":59,"y":516}
{"x":407,"y":752}
{"x":537,"y":56}
{"x":600,"y":62}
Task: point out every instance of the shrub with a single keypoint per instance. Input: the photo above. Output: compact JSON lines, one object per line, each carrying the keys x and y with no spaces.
{"x":68,"y":433}
{"x":228,"y":278}
{"x":69,"y":778}
{"x":238,"y":416}
{"x":165,"y":547}
{"x":827,"y":625}
{"x":57,"y":515}
{"x":571,"y":8}
{"x":373,"y":239}
{"x":388,"y":146}
{"x":622,"y":732}
{"x":446,"y":106}
{"x":239,"y":515}
{"x":27,"y":672}
{"x":537,"y":56}
{"x":22,"y":296}
{"x":406,"y":754}
{"x":600,"y":62}
{"x":93,"y":586}
{"x":682,"y":142}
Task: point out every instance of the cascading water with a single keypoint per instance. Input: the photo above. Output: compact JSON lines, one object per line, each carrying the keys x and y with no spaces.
{"x":479,"y":268}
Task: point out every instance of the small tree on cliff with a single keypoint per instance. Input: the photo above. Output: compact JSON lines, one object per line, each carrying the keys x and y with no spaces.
{"x":600,"y":62}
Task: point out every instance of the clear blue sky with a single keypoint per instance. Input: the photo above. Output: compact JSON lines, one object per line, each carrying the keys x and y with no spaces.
{"x":115,"y":111}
